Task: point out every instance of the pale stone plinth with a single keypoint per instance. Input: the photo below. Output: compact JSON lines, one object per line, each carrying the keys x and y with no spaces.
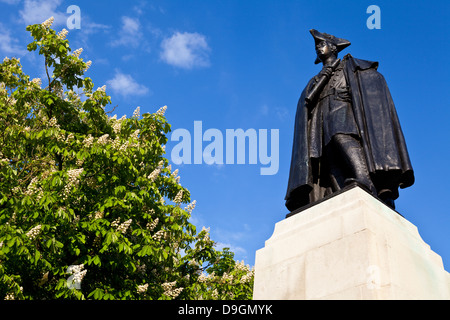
{"x":350,"y":246}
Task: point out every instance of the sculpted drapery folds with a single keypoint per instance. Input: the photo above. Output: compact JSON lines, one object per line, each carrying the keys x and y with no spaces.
{"x":346,"y":131}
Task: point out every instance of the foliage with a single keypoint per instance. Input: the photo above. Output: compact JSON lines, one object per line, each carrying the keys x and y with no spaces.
{"x":89,"y":206}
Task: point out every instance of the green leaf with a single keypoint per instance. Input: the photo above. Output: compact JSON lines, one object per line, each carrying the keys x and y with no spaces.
{"x":97,"y":294}
{"x":146,"y":250}
{"x":11,"y":242}
{"x":97,"y":261}
{"x":37,"y":255}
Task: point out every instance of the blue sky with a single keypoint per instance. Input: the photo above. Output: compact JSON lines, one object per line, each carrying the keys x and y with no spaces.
{"x":243,"y":64}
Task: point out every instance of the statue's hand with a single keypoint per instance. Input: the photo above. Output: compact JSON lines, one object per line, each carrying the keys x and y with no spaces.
{"x":326,"y":71}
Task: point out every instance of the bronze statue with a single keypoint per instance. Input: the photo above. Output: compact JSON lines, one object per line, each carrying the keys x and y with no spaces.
{"x":346,"y":131}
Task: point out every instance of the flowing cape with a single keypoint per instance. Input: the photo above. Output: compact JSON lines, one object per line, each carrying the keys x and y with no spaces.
{"x":379,"y":128}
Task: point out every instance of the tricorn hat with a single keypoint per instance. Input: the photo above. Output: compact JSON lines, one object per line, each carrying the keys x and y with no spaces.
{"x":340,"y":44}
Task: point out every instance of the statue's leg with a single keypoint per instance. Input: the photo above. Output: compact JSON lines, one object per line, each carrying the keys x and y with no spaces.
{"x":353,"y":158}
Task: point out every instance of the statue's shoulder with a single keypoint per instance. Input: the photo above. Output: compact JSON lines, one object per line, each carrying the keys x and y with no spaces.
{"x":360,"y":64}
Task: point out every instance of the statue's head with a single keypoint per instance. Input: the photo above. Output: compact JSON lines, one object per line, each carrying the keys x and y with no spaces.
{"x":324,"y":50}
{"x":327,"y":45}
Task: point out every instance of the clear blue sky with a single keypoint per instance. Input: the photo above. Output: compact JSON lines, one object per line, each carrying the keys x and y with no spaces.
{"x":243,"y":64}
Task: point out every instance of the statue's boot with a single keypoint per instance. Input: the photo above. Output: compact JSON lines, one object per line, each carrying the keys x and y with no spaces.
{"x":355,"y":161}
{"x":387,"y":197}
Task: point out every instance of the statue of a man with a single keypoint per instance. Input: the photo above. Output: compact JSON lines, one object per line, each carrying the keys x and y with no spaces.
{"x":346,"y":131}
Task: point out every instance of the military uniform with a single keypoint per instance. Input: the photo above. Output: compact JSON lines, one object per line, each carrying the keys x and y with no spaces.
{"x":345,"y":131}
{"x":332,"y":114}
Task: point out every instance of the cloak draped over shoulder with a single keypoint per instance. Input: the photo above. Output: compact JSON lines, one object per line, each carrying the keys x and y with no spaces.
{"x":379,"y":130}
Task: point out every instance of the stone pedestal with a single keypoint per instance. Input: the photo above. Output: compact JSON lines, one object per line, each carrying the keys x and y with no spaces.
{"x":350,"y":246}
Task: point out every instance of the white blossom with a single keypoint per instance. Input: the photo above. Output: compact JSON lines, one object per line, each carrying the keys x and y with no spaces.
{"x":103,"y":139}
{"x":159,"y":235}
{"x":152,"y":225}
{"x":137,"y":112}
{"x":135,"y":134}
{"x":155,"y":173}
{"x":88,"y":65}
{"x":47,"y":23}
{"x":247,"y":277}
{"x":141,"y":268}
{"x":115,"y":223}
{"x":88,"y":141}
{"x":77,"y":52}
{"x":37,"y":81}
{"x":62,"y":34}
{"x":241,"y":266}
{"x":74,"y":174}
{"x":121,"y":227}
{"x":124,"y":226}
{"x":73,"y":180}
{"x":70,"y":137}
{"x":161,"y":111}
{"x":75,"y":269}
{"x":116,"y":126}
{"x":170,"y":291}
{"x":202,"y":278}
{"x":78,"y":275}
{"x":190,"y":207}
{"x":98,"y":215}
{"x":102,"y":88}
{"x":178,"y":197}
{"x":53,"y":122}
{"x":227,"y":277}
{"x":152,"y":176}
{"x":61,"y":211}
{"x":12,"y":100}
{"x":142,"y":288}
{"x":119,"y":145}
{"x":33,"y":233}
{"x":10,"y":296}
{"x":193,"y":262}
{"x":206,"y":234}
{"x":32,"y":188}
